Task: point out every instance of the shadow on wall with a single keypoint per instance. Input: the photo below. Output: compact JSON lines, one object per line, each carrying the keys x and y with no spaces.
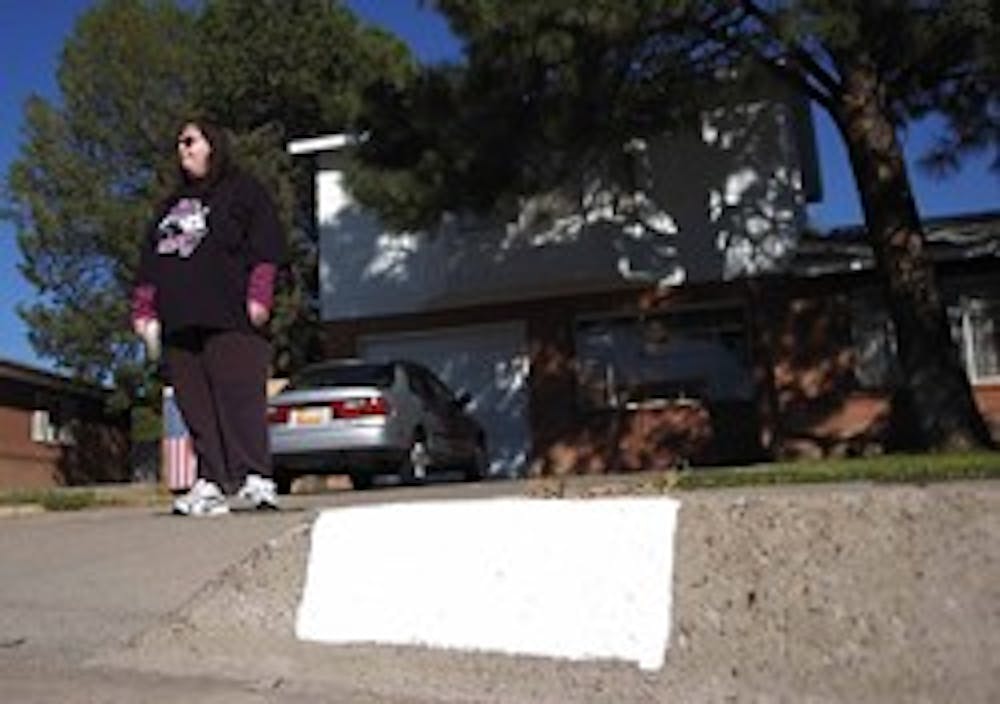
{"x":712,"y":205}
{"x":672,"y":436}
{"x":822,"y":410}
{"x":741,"y":210}
{"x":574,"y":437}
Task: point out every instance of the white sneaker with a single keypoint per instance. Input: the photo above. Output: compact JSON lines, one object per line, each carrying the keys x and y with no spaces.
{"x":205,"y":498}
{"x":260,"y":491}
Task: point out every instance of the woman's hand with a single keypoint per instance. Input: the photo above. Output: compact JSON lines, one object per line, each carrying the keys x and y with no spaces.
{"x":257,"y":313}
{"x":149,"y":330}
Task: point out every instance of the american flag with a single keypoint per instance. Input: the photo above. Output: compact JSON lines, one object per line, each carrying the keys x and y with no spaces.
{"x":180,"y":464}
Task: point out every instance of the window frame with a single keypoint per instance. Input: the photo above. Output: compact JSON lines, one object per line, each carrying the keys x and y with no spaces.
{"x":959,"y":308}
{"x":966,"y":305}
{"x":614,"y":392}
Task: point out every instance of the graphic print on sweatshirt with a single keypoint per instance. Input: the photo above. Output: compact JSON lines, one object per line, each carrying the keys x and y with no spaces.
{"x":183,"y":228}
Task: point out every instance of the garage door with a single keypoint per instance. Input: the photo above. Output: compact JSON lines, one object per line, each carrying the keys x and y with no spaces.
{"x":490,"y":363}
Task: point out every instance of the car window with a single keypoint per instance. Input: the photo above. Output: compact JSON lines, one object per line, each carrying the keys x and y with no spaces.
{"x":427,"y":386}
{"x":419,"y":382}
{"x":440,"y":389}
{"x":379,"y":375}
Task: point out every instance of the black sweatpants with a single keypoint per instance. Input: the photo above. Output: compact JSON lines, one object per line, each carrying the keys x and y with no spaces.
{"x":219,"y":379}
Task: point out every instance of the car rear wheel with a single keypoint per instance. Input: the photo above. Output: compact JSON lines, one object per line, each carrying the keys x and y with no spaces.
{"x":361,"y":480}
{"x":283,"y":481}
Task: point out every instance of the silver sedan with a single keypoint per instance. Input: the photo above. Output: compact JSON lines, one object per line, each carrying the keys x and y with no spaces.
{"x":363,"y":419}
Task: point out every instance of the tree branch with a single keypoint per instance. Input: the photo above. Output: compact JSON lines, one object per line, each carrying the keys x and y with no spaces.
{"x":803,"y":58}
{"x":798,"y":78}
{"x":945,"y":46}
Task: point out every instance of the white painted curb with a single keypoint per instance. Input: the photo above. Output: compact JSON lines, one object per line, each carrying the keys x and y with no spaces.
{"x":577,"y":579}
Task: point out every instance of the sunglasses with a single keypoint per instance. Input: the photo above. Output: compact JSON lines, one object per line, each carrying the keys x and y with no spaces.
{"x":186,"y":141}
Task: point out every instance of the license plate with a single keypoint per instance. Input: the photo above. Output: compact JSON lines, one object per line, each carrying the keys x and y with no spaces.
{"x":310,"y":416}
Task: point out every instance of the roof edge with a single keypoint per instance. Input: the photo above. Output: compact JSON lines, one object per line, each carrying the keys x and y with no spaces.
{"x":323,"y":143}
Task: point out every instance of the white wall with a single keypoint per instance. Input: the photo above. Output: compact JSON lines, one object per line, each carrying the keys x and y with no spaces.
{"x":723,"y":203}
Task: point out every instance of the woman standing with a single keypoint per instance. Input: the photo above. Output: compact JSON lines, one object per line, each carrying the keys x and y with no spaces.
{"x":206,"y":279}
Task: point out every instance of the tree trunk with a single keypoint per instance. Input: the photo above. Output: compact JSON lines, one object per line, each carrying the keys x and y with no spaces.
{"x":936,"y":388}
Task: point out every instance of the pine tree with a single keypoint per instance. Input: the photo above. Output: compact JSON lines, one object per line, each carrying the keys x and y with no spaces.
{"x":275,"y":70}
{"x":90,"y":168}
{"x":95,"y":163}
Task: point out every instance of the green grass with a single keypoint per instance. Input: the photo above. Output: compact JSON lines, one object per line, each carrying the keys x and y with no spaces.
{"x":910,"y":469}
{"x":901,"y":469}
{"x":907,"y":469}
{"x":77,"y":498}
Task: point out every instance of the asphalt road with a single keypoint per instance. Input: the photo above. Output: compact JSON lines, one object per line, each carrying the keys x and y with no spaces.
{"x":76,"y":586}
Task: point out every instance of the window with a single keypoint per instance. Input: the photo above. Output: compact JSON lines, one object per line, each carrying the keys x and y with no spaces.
{"x":418,"y":382}
{"x":343,"y":374}
{"x":976,"y":327}
{"x":426,"y":385}
{"x":873,"y":337}
{"x":440,"y":389}
{"x":42,"y":429}
{"x":686,"y":353}
{"x":54,"y":427}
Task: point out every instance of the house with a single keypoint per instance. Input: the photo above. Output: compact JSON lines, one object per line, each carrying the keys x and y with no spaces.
{"x":686,"y":318}
{"x":57,"y":431}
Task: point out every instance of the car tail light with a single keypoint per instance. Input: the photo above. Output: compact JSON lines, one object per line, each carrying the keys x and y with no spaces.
{"x":278,"y":415}
{"x":360,"y":407}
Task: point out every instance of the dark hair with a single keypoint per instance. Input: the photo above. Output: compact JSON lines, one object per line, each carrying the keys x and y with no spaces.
{"x":220,"y":161}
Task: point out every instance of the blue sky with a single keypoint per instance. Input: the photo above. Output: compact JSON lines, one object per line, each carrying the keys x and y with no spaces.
{"x":32,"y":34}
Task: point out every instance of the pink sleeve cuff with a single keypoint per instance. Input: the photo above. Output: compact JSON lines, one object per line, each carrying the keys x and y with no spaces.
{"x":143,"y":302}
{"x":261,"y":286}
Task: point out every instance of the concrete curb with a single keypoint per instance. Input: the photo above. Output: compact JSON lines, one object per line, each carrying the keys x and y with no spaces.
{"x":860,"y":594}
{"x":15,"y":510}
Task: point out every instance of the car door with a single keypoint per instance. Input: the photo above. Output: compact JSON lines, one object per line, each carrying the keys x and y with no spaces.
{"x":460,"y":429}
{"x":435,"y":418}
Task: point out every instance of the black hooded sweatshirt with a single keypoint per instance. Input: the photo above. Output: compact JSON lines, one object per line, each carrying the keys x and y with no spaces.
{"x":200,"y":249}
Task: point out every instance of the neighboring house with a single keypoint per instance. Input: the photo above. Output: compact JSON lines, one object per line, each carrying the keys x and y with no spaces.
{"x":685,"y":319}
{"x":57,"y":431}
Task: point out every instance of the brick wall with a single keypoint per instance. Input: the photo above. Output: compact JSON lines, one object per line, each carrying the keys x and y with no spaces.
{"x":98,"y":454}
{"x":24,"y":463}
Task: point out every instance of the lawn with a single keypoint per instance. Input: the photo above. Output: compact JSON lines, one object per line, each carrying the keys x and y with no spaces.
{"x":909,"y":469}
